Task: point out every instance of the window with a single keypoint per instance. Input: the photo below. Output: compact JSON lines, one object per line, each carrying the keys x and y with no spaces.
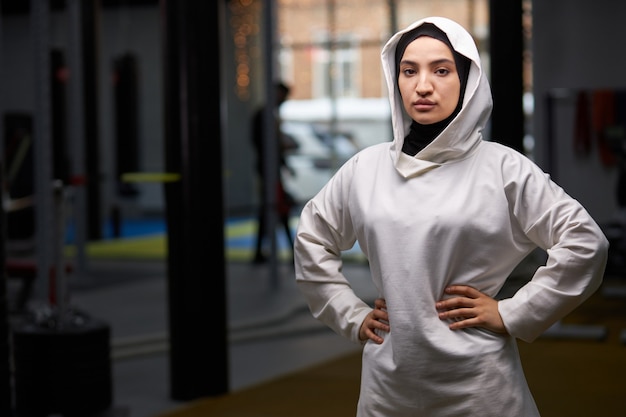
{"x":335,"y":68}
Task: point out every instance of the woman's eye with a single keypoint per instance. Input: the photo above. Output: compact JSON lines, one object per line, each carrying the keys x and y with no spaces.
{"x":442,"y":71}
{"x":408,"y":71}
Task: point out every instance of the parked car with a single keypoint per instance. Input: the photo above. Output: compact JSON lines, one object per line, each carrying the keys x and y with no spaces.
{"x":318,"y":155}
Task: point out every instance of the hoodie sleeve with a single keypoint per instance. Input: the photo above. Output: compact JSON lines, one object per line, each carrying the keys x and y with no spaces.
{"x":576,"y":247}
{"x":324,"y":231}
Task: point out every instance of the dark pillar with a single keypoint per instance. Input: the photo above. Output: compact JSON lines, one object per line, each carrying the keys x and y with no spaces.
{"x":507,"y":84}
{"x":126,"y":103}
{"x":194,"y":205}
{"x":90,"y":28}
{"x":6,"y":405}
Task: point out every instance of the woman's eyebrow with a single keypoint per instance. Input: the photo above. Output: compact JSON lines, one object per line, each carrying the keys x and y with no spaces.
{"x":435,"y":62}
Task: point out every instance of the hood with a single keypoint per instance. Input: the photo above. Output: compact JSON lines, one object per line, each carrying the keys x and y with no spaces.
{"x":465,"y":131}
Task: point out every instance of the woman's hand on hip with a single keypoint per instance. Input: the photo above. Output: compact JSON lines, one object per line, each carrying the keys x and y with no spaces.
{"x":470,"y":308}
{"x":376,"y":319}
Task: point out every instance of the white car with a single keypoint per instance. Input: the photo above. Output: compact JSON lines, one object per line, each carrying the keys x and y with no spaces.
{"x":315,"y":160}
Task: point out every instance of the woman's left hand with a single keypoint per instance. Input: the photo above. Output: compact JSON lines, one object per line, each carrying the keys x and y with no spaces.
{"x":470,"y":308}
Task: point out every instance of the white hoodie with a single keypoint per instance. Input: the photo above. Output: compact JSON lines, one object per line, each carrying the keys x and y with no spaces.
{"x":462,"y":211}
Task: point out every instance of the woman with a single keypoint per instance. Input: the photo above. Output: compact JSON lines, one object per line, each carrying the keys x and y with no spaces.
{"x":443,"y":217}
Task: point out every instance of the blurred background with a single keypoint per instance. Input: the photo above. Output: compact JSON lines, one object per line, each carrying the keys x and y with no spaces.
{"x":126,"y":157}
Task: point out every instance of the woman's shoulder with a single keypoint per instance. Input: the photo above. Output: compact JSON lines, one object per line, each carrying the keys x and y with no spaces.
{"x":512,"y":163}
{"x":501,"y":148}
{"x":368,"y":156}
{"x":506,"y":152}
{"x":373,"y":151}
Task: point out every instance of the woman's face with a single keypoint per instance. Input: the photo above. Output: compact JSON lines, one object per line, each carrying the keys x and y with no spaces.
{"x":428,"y":80}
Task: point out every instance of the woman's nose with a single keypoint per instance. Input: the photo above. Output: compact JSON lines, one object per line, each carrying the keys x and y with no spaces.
{"x":423,"y":86}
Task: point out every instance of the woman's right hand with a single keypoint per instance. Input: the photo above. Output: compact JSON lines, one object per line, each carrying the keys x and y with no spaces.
{"x":376,"y":319}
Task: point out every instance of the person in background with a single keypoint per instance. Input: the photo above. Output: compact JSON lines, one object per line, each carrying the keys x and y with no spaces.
{"x":284,"y":201}
{"x":443,"y":217}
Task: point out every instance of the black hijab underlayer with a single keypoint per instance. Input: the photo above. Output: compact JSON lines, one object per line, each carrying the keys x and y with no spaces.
{"x":420,"y":135}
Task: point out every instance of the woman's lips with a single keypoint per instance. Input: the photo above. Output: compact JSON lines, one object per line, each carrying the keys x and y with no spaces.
{"x":423,"y":105}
